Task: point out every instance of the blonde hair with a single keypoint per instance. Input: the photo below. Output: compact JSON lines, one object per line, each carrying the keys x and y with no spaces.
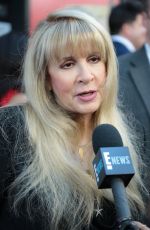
{"x":52,"y":173}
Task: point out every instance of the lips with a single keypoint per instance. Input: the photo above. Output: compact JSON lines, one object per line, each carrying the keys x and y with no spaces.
{"x":87,"y":96}
{"x":85,"y":93}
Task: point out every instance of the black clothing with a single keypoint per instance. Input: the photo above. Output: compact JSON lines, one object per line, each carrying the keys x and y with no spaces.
{"x":12,"y":48}
{"x":14,"y":139}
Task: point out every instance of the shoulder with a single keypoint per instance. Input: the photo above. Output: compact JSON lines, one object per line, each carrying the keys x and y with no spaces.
{"x":125,"y":66}
{"x":132,"y":58}
{"x":11,"y":122}
{"x":125,"y":59}
{"x":11,"y":114}
{"x":120,"y":48}
{"x":12,"y":144}
{"x":14,"y":140}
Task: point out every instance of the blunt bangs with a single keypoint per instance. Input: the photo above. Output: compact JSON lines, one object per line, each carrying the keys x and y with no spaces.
{"x":74,"y":37}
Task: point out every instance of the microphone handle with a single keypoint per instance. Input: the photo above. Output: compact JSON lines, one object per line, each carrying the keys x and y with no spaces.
{"x":122,"y":208}
{"x":120,"y":198}
{"x":128,"y":225}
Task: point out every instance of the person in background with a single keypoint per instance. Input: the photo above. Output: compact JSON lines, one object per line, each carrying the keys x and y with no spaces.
{"x":45,"y":181}
{"x":126,"y":27}
{"x":134,"y":72}
{"x":12,"y":48}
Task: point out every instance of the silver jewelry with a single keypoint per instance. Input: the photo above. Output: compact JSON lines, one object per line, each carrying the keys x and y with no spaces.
{"x":99,"y":212}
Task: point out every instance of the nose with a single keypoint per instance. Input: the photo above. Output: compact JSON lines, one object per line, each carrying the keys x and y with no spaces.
{"x":85,"y":74}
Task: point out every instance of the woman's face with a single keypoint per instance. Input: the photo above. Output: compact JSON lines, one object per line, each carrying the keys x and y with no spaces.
{"x":78,"y":82}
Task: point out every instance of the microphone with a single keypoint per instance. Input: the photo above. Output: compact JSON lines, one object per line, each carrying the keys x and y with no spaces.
{"x":113,"y":169}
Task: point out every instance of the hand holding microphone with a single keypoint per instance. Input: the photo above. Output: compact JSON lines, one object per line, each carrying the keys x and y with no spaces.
{"x":113,"y":169}
{"x":141,"y":226}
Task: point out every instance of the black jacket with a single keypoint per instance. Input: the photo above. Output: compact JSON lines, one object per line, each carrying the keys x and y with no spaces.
{"x":13,"y":138}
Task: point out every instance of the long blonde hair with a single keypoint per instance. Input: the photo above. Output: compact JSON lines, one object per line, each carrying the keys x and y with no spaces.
{"x":53,"y":174}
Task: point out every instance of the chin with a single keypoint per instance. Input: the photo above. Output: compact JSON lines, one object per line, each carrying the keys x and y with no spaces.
{"x":89,"y":111}
{"x":86,"y":109}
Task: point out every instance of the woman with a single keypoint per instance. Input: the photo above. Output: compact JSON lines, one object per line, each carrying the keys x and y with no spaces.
{"x":47,"y":179}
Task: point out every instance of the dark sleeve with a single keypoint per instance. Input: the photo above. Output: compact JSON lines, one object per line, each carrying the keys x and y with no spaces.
{"x":10,"y":121}
{"x":105,"y":218}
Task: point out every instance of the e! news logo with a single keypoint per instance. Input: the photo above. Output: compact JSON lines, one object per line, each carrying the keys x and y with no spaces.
{"x":97,"y":169}
{"x":115,"y":160}
{"x":107,"y":160}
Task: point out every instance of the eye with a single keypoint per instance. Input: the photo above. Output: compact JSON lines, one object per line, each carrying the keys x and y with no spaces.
{"x":94,"y":59}
{"x":67,"y":65}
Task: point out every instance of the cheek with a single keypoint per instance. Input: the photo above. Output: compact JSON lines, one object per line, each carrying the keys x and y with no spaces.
{"x":57,"y":81}
{"x":60,"y":87}
{"x":102,"y":77}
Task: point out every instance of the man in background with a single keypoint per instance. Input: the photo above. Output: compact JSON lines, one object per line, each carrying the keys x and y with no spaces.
{"x":126,"y":27}
{"x":134,"y":89}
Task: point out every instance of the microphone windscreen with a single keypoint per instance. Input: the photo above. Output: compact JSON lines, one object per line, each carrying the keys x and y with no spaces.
{"x":106,"y":135}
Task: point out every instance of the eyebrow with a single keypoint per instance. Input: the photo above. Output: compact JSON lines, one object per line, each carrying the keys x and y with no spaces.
{"x":92,"y":53}
{"x":74,"y":57}
{"x":67,"y":58}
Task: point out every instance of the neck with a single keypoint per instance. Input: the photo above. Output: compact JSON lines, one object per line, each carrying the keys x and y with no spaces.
{"x":86,"y":127}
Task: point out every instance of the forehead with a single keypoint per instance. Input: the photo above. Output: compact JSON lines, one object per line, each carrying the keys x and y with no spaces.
{"x":76,"y":39}
{"x":81,"y":49}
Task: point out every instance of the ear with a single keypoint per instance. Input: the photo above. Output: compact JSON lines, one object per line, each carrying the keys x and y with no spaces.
{"x":126,"y":29}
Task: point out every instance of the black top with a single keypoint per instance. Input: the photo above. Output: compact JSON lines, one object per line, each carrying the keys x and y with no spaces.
{"x":13,"y":138}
